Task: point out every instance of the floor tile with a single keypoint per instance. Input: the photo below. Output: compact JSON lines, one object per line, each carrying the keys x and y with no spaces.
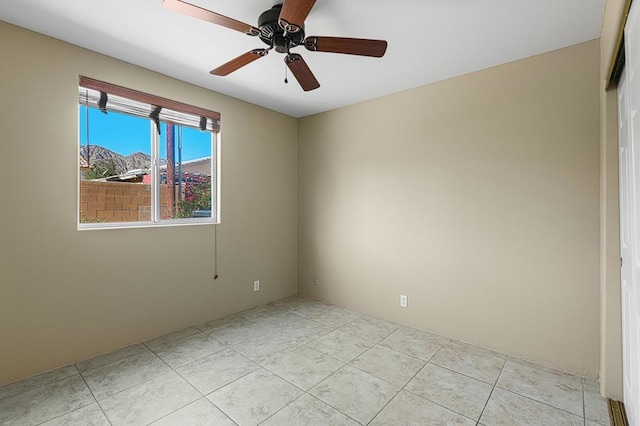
{"x":181,"y":352}
{"x":407,"y":409}
{"x":238,"y":331}
{"x":33,"y":382}
{"x":592,"y":423}
{"x":290,"y":301}
{"x":214,"y":371}
{"x":112,"y":378}
{"x":342,"y":346}
{"x":263,"y":351}
{"x":280,"y":340}
{"x":507,"y":408}
{"x":301,"y":330}
{"x":89,"y":415}
{"x":589,"y":382}
{"x":264,"y":311}
{"x":309,"y":411}
{"x":266,"y":307}
{"x":305,"y":307}
{"x":220,"y":322}
{"x":334,"y":316}
{"x":170,"y":337}
{"x":110,"y":357}
{"x":414,"y":342}
{"x":355,"y":393}
{"x":275,"y":318}
{"x":255,"y":397}
{"x":199,"y":413}
{"x":393,"y":366}
{"x":45,"y":402}
{"x":479,"y":363}
{"x":285,"y":302}
{"x":149,"y":401}
{"x":303,"y":327}
{"x":596,"y":408}
{"x":304,"y":367}
{"x":552,"y":387}
{"x":452,"y":390}
{"x":370,"y":328}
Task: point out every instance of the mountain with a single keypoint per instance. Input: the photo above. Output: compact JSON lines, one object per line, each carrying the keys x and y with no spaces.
{"x":99,"y":154}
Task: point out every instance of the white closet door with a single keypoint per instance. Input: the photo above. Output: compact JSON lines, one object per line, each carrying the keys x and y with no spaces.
{"x":629,"y":140}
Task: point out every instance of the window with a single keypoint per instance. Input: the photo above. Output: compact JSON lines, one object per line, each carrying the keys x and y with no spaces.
{"x":144,"y":160}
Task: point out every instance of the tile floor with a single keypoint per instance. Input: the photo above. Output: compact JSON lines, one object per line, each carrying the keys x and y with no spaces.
{"x":299,"y":361}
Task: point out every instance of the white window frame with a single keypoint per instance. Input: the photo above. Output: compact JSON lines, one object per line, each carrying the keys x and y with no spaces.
{"x":156,"y":221}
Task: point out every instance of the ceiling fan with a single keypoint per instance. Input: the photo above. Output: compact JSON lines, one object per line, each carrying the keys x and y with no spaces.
{"x":282,"y":28}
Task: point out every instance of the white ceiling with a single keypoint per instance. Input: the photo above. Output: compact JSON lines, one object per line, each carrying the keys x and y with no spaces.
{"x":429,"y":40}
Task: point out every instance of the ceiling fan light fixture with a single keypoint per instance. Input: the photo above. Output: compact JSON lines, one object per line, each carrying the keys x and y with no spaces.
{"x":281,"y":44}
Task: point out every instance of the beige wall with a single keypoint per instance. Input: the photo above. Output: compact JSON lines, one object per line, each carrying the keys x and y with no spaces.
{"x":66,"y":295}
{"x":478,"y":197}
{"x":610,"y":322}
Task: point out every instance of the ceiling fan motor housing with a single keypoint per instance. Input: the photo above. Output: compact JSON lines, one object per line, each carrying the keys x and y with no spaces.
{"x":272,"y":34}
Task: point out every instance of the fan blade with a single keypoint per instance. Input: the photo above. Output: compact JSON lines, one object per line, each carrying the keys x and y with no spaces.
{"x":349,"y":46}
{"x":239,"y":62}
{"x":294,"y":13}
{"x":189,"y":9}
{"x":301,"y":71}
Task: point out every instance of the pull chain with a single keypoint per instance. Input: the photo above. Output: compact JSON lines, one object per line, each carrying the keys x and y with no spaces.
{"x":286,"y":81}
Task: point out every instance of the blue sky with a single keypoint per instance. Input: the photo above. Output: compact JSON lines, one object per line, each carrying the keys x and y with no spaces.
{"x":126,"y":134}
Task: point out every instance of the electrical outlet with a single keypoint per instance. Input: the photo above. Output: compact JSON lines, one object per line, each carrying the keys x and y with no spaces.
{"x":404,"y":301}
{"x":256,"y":285}
{"x":315,"y":281}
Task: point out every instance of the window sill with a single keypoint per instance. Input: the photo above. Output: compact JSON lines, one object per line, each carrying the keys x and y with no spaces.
{"x":162,"y":224}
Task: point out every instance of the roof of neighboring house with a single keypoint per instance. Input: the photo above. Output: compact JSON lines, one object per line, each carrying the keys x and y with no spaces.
{"x":190,"y":162}
{"x":126,"y":177}
{"x":131,"y":176}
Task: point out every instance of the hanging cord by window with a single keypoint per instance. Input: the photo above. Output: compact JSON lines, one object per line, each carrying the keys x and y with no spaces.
{"x":155,"y":116}
{"x":215,"y":255}
{"x":102,"y":103}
